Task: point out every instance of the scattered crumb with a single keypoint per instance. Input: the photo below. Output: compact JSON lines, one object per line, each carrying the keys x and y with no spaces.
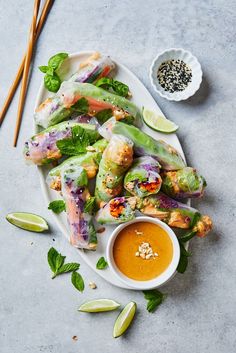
{"x":101,"y":230}
{"x":92,"y":285}
{"x":75,"y":338}
{"x":31,"y":243}
{"x":53,"y":239}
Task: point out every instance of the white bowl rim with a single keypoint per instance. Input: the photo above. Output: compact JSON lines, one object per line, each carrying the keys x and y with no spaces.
{"x":180,"y":95}
{"x":155,"y":282}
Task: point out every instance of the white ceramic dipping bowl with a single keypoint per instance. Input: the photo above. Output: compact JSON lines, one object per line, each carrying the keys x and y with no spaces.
{"x":159,"y":280}
{"x":190,"y":60}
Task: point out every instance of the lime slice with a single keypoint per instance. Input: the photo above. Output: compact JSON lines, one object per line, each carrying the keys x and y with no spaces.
{"x":99,"y":305}
{"x":158,"y":122}
{"x":124,"y":319}
{"x":27,"y":221}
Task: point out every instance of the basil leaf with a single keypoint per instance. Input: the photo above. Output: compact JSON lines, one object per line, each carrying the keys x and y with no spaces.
{"x":183,"y":261}
{"x":90,"y":205}
{"x":77,"y":281}
{"x":183,"y":264}
{"x":154,"y":298}
{"x":52,"y":82}
{"x":50,"y":71}
{"x":43,"y":69}
{"x":71,"y":266}
{"x":103,"y":115}
{"x":57,"y":206}
{"x":52,"y":255}
{"x":81,"y":106}
{"x":118,"y":87}
{"x":101,"y":264}
{"x":76,"y":144}
{"x":56,"y":60}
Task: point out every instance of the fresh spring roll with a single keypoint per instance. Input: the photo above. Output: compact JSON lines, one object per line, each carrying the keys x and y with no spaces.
{"x":42,"y":148}
{"x":143,"y":178}
{"x":175,"y":214}
{"x":116,"y":159}
{"x":145,"y":145}
{"x":118,"y":210}
{"x":75,"y":193}
{"x":92,"y":69}
{"x":89,"y":161}
{"x":183,"y":183}
{"x":51,"y":110}
{"x":97,"y":100}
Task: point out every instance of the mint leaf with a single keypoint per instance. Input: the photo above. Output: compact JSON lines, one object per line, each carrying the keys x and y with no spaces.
{"x":43,"y":69}
{"x":77,"y":281}
{"x":65,"y":268}
{"x":52,"y":82}
{"x":57,"y":206}
{"x":154,"y":298}
{"x":82,"y":180}
{"x":120,"y":88}
{"x":90,"y":205}
{"x":101,"y":264}
{"x":56,"y":60}
{"x":52,"y":255}
{"x":59,"y":261}
{"x":81,"y":106}
{"x":104,"y":115}
{"x":76,"y":144}
{"x":56,"y":263}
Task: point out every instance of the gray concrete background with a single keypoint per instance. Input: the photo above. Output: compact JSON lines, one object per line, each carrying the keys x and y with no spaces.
{"x":38,"y":314}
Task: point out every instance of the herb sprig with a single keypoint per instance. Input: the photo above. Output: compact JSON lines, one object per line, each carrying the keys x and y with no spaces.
{"x":51,"y":79}
{"x":75,"y":144}
{"x":56,"y":263}
{"x":154,"y":299}
{"x":57,"y":206}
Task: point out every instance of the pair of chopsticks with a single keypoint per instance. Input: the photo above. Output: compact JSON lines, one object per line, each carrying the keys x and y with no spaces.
{"x":23,"y":70}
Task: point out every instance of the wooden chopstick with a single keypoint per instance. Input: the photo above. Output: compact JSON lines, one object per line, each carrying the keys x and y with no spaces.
{"x":12,"y":90}
{"x":26,"y":71}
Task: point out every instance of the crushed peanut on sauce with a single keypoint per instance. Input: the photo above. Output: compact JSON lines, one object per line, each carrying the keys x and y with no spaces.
{"x":145,"y":251}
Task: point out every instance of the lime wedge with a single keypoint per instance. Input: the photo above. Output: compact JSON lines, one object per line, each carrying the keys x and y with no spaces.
{"x":99,"y":305}
{"x":158,"y":122}
{"x":27,"y":221}
{"x":124,"y":319}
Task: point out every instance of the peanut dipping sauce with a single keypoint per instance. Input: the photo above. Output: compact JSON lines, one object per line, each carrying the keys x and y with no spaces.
{"x":127,"y":244}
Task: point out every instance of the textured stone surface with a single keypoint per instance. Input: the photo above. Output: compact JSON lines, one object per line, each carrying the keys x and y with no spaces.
{"x":38,"y":314}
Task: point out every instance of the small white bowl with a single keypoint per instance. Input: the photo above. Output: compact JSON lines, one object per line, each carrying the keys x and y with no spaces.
{"x":159,"y":280}
{"x":190,"y":60}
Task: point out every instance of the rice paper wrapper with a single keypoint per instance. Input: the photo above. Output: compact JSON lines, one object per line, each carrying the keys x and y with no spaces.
{"x":143,"y":178}
{"x":117,"y":210}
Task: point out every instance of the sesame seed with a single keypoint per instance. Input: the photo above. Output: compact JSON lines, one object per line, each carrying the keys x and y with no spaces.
{"x":174,"y":75}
